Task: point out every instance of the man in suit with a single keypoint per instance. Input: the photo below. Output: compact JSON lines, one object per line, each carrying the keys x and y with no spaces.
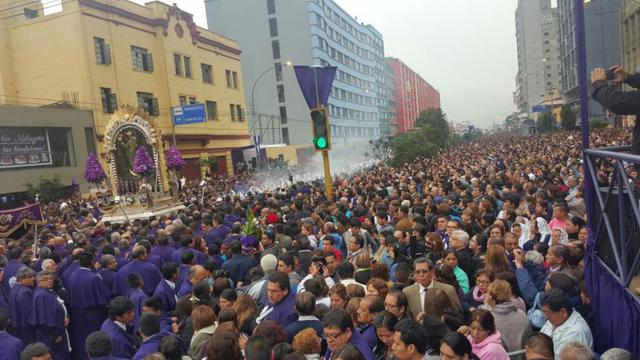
{"x":417,"y":293}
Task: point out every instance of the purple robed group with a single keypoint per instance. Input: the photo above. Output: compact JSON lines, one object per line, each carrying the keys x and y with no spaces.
{"x":47,"y":319}
{"x":20,"y":305}
{"x":123,"y":344}
{"x":149,"y":273}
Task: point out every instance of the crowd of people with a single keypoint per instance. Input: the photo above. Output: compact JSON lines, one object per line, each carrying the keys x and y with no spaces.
{"x":476,"y":253}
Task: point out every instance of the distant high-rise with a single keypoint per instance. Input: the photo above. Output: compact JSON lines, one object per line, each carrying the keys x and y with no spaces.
{"x":275,"y":33}
{"x":413,"y":93}
{"x":537,"y":40}
{"x":602,"y":27}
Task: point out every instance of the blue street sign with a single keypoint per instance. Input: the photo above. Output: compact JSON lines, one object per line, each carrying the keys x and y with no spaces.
{"x":188,"y":114}
{"x":539,"y":108}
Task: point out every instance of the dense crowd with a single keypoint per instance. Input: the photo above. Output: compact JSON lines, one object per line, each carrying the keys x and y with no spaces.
{"x":476,"y":253}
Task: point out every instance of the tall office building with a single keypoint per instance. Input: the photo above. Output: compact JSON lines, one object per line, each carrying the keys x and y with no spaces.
{"x":537,"y":39}
{"x":413,"y":94}
{"x":602,"y":27}
{"x":275,"y":34}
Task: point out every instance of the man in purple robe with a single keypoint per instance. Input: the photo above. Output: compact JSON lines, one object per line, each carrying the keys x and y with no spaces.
{"x":4,"y":293}
{"x":10,"y":346}
{"x":281,"y":301}
{"x":214,"y":230}
{"x":151,"y":258}
{"x":154,"y":305}
{"x":149,"y":273}
{"x":166,"y":290}
{"x":71,"y":269}
{"x":99,"y":347}
{"x":186,"y":244}
{"x":151,"y":335}
{"x":108,"y":267}
{"x":20,"y":304}
{"x":117,"y":326}
{"x":369,"y":307}
{"x":13,"y":265}
{"x":196,"y":274}
{"x":88,"y":297}
{"x":49,"y":317}
{"x":162,"y":249}
{"x":187,"y":259}
{"x":137,"y":297}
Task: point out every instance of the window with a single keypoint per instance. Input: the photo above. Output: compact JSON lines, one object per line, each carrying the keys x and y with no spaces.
{"x":280,"y":91}
{"x":232,"y":110}
{"x":283,"y":115}
{"x":278,"y":68}
{"x":109,"y":102}
{"x":30,"y":13}
{"x":177,"y":62}
{"x":192,"y":100}
{"x":239,"y":112}
{"x":142,"y":60}
{"x":234,"y":77}
{"x":273,"y":27}
{"x":183,"y":100}
{"x":285,"y":135}
{"x":187,"y":66}
{"x":103,"y":53}
{"x":271,"y":7}
{"x":90,"y":140}
{"x":229,"y":79}
{"x":275,"y":47}
{"x":207,"y":73}
{"x":212,"y":110}
{"x":148,"y":103}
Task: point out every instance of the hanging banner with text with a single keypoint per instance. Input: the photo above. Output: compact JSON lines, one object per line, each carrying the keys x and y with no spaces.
{"x":12,"y":219}
{"x":24,"y":147}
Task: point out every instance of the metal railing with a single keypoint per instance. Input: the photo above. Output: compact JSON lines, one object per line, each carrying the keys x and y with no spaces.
{"x":619,"y":223}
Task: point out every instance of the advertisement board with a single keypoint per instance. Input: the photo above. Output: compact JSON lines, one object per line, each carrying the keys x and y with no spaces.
{"x":24,"y":147}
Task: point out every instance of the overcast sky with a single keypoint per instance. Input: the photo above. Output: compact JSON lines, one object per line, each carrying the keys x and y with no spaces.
{"x":464,"y":48}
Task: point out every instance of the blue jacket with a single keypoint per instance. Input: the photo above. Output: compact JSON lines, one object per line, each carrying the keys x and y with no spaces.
{"x":531,"y":280}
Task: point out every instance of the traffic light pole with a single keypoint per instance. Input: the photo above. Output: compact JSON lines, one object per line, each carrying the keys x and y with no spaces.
{"x":327,"y":174}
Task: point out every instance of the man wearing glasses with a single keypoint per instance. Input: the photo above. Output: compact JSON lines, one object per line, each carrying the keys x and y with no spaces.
{"x":417,"y":293}
{"x":338,"y":331}
{"x":49,"y":317}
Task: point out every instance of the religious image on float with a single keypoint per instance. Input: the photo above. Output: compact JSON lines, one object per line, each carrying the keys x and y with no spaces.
{"x":127,"y":144}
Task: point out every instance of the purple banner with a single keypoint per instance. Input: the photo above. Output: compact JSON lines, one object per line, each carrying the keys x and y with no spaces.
{"x":315,"y":83}
{"x":12,"y":219}
{"x":24,"y":147}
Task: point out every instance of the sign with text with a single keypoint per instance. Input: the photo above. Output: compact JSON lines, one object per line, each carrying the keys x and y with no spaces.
{"x":24,"y":147}
{"x":188,"y":114}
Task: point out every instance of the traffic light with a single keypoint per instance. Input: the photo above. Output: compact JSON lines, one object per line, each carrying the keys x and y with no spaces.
{"x":320,"y":125}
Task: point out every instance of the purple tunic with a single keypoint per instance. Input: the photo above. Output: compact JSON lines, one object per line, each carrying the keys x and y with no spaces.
{"x":66,"y":275}
{"x":10,"y":347}
{"x":122,"y":341}
{"x":47,"y":319}
{"x":10,"y":271}
{"x":163,"y":251}
{"x":284,"y":312}
{"x":167,"y":295}
{"x":149,"y":346}
{"x":149,"y":273}
{"x":176,"y":257}
{"x":88,"y":297}
{"x":185,"y":288}
{"x":109,"y":277}
{"x":20,"y":304}
{"x":138,"y":298}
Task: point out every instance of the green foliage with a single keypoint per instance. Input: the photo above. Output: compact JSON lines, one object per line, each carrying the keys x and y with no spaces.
{"x":49,"y":189}
{"x":409,"y":146}
{"x":545,"y":122}
{"x":433,"y":123}
{"x":568,"y":117}
{"x":211,"y":162}
{"x":250,"y":227}
{"x":598,"y":124}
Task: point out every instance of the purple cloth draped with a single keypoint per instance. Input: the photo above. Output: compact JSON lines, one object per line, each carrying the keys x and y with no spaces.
{"x":10,"y":346}
{"x":156,"y":261}
{"x":121,"y":340}
{"x":108,"y":276}
{"x":150,"y":345}
{"x":167,"y":295}
{"x":88,"y":297}
{"x":149,"y":273}
{"x":176,"y":257}
{"x":183,"y":274}
{"x":4,"y":299}
{"x":163,"y":251}
{"x":66,"y":275}
{"x":613,"y":308}
{"x":47,"y":319}
{"x":283,"y":312}
{"x":315,"y":83}
{"x":10,"y":271}
{"x":185,"y":288}
{"x":20,"y":304}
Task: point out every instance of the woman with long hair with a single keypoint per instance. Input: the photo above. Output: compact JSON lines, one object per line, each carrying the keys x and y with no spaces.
{"x":435,"y":247}
{"x":224,"y":343}
{"x":204,"y":324}
{"x":511,"y":322}
{"x":384,"y":323}
{"x":378,"y":287}
{"x":437,"y":303}
{"x":455,"y":346}
{"x":496,"y":259}
{"x":247,"y":311}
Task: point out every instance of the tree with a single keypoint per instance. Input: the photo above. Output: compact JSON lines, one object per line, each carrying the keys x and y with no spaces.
{"x":433,"y":123}
{"x":568,"y":117}
{"x":408,"y":146}
{"x":545,"y":122}
{"x":48,"y":189}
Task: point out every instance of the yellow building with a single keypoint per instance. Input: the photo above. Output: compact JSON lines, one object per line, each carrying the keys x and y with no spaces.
{"x":101,"y":54}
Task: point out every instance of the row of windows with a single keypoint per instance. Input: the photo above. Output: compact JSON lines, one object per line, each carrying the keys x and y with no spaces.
{"x":344,"y":113}
{"x":344,"y":24}
{"x":354,"y":131}
{"x":343,"y":58}
{"x":353,"y":80}
{"x":149,"y":103}
{"x":351,"y":96}
{"x":142,"y":60}
{"x":341,"y":39}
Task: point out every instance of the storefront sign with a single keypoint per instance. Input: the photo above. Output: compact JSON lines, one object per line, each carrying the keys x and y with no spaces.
{"x":24,"y":147}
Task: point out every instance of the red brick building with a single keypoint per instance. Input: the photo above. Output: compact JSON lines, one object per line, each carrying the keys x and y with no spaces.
{"x":414,"y":94}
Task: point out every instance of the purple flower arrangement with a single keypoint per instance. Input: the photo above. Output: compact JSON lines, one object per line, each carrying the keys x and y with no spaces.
{"x":93,"y":171}
{"x":143,"y":164}
{"x":174,"y":159}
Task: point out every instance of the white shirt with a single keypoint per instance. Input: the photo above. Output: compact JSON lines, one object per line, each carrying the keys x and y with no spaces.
{"x":121,"y":325}
{"x":423,"y":294}
{"x":574,"y":329}
{"x":173,"y":287}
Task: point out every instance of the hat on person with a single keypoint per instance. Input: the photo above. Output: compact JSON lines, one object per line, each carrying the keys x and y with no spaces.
{"x":268,"y":263}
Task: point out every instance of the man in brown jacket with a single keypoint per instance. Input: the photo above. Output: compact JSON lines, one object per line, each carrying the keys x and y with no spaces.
{"x":424,"y":276}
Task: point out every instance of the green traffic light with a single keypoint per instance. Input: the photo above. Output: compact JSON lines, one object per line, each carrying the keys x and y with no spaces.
{"x":321,"y":142}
